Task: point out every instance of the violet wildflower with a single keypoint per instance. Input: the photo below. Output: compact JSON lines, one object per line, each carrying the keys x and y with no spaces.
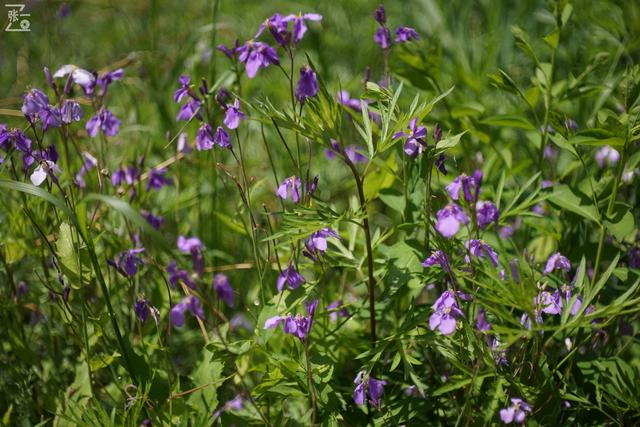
{"x":193,"y":246}
{"x":82,"y":77}
{"x":188,"y":110}
{"x":157,"y":179}
{"x":71,"y":111}
{"x":234,"y":404}
{"x":127,"y":262}
{"x":487,"y":213}
{"x":256,"y":55}
{"x":177,"y":276}
{"x":406,"y":34}
{"x":352,"y":152}
{"x":230,"y":52}
{"x":222,"y":96}
{"x":437,"y":257}
{"x":549,"y":303}
{"x":109,"y":77}
{"x":379,"y":15}
{"x":289,"y":277}
{"x":307,"y":85}
{"x":45,"y":169}
{"x":143,"y":309}
{"x":153,"y":220}
{"x":567,"y":291}
{"x":189,"y":303}
{"x":89,"y":163}
{"x":513,"y":264}
{"x":607,"y":156}
{"x":317,"y":242}
{"x":570,"y":124}
{"x":446,"y":311}
{"x":442,"y":168}
{"x":183,"y":143}
{"x":103,"y":120}
{"x":278,"y":26}
{"x":299,"y":27}
{"x":183,"y":90}
{"x":481,"y":249}
{"x":204,"y":137}
{"x":299,"y":325}
{"x":222,"y":287}
{"x":481,"y":321}
{"x":516,"y":412}
{"x":368,"y":385}
{"x":290,"y":188}
{"x":557,"y":261}
{"x":466,"y":184}
{"x":382,"y":37}
{"x":221,"y":138}
{"x":550,"y":152}
{"x":233,"y":115}
{"x":449,"y":219}
{"x":415,"y":143}
{"x":50,"y":117}
{"x":336,"y":309}
{"x":345,"y":99}
{"x":34,"y":101}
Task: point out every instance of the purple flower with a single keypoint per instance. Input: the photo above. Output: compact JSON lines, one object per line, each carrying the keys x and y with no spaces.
{"x":256,"y":55}
{"x":45,"y":169}
{"x":233,"y":115}
{"x":516,"y":412}
{"x":204,"y":137}
{"x":481,"y":321}
{"x":570,"y":124}
{"x":368,"y":385}
{"x":317,"y":243}
{"x":190,"y":303}
{"x":557,"y":262}
{"x":336,"y":309}
{"x":183,"y":144}
{"x":77,"y":75}
{"x":449,"y":219}
{"x":406,"y":34}
{"x":416,"y":135}
{"x":547,"y":302}
{"x":128,"y":262}
{"x":183,"y":90}
{"x":382,"y":37}
{"x":480,"y":249}
{"x":307,"y":85}
{"x":299,"y":325}
{"x":487,"y":213}
{"x":607,"y":156}
{"x":194,"y":246}
{"x":222,"y":286}
{"x":234,"y":404}
{"x":143,"y":309}
{"x":109,"y":77}
{"x":230,"y":52}
{"x":446,"y":311}
{"x":71,"y":111}
{"x":550,"y":152}
{"x":290,"y":188}
{"x":176,"y":276}
{"x":153,"y":220}
{"x":34,"y":101}
{"x":345,"y":99}
{"x":158,"y":179}
{"x":104,"y":120}
{"x":464,"y":182}
{"x":379,"y":15}
{"x":50,"y":117}
{"x":299,"y":27}
{"x":221,"y":138}
{"x":89,"y":163}
{"x":278,"y":26}
{"x":437,"y":257}
{"x":188,"y":110}
{"x":442,"y":168}
{"x":289,"y":277}
{"x":352,"y":152}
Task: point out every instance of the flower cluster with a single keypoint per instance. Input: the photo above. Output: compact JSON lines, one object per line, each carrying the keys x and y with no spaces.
{"x":298,"y":325}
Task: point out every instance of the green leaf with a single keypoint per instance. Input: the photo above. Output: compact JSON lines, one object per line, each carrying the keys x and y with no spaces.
{"x":68,"y":256}
{"x":393,"y":198}
{"x":208,"y":376}
{"x":509,"y":120}
{"x":102,"y":360}
{"x":449,"y":142}
{"x":565,"y":198}
{"x":553,"y":38}
{"x":597,"y":137}
{"x":621,"y":223}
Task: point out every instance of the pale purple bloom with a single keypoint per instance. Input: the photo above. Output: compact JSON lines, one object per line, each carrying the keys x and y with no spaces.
{"x":607,"y":156}
{"x":233,"y":115}
{"x":290,"y":188}
{"x":289,"y":277}
{"x":449,"y":219}
{"x":78,"y":75}
{"x":345,"y":99}
{"x":368,"y":385}
{"x":516,"y":412}
{"x":71,"y":111}
{"x":153,"y":220}
{"x":221,"y":138}
{"x":222,"y":287}
{"x":256,"y":55}
{"x":278,"y":25}
{"x":204,"y":137}
{"x":183,"y":90}
{"x":465,"y":183}
{"x":189,"y":303}
{"x":230,"y":52}
{"x":34,"y":101}
{"x":352,"y":152}
{"x":45,"y":170}
{"x":188,"y":110}
{"x":183,"y":143}
{"x":299,"y":27}
{"x":557,"y":261}
{"x":158,"y":179}
{"x":336,"y":309}
{"x":234,"y":404}
{"x":505,"y":232}
{"x":446,"y":311}
{"x":109,"y":77}
{"x":307,"y":85}
{"x":103,"y":120}
{"x":415,"y":143}
{"x":550,"y":152}
{"x":143,"y":309}
{"x":299,"y":325}
{"x":176,"y":276}
{"x":570,"y":124}
{"x":317,"y":242}
{"x":50,"y":117}
{"x":437,"y":257}
{"x":487,"y":213}
{"x":481,"y":321}
{"x":513,"y":264}
{"x":538,"y":209}
{"x":189,"y":244}
{"x":547,"y":302}
{"x":481,"y":249}
{"x":406,"y":34}
{"x":382,"y":37}
{"x":546,"y":184}
{"x":89,"y":163}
